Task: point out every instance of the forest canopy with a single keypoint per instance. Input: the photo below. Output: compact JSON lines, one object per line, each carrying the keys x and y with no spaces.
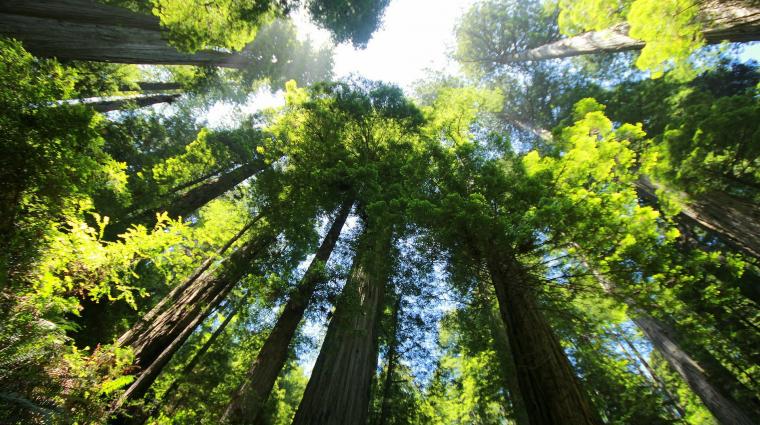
{"x":210,"y":215}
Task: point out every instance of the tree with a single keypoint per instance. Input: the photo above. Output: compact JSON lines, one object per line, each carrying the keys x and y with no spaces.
{"x":246,"y":403}
{"x":348,"y":355}
{"x":681,"y":27}
{"x":89,"y":30}
{"x":137,"y":101}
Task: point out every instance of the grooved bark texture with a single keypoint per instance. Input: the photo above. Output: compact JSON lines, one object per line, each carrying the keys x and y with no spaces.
{"x":728,"y":20}
{"x":338,"y":392}
{"x":710,"y":381}
{"x":735,"y":221}
{"x":722,"y":406}
{"x":551,"y":392}
{"x":247,"y":402}
{"x":199,"y":297}
{"x":88,"y":30}
{"x":506,"y":361}
{"x":145,"y":320}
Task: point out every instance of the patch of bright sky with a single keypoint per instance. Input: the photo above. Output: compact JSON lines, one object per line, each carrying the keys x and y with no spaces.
{"x":415,"y":37}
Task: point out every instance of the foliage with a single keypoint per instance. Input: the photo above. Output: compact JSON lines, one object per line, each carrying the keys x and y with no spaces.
{"x":348,"y":20}
{"x":463,"y":176}
{"x":671,"y":30}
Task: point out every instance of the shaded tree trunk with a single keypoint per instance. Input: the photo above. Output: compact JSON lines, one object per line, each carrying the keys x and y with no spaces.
{"x":138,"y":101}
{"x":188,"y":369}
{"x":385,"y":404}
{"x":139,"y":417}
{"x":725,"y":409}
{"x":671,"y":398}
{"x":89,"y":30}
{"x":735,"y":221}
{"x":709,"y":380}
{"x":506,"y":359}
{"x":246,"y":404}
{"x":734,"y":21}
{"x":170,"y":331}
{"x":148,"y":375}
{"x":551,"y":391}
{"x":187,"y":203}
{"x":135,"y":331}
{"x":179,"y":188}
{"x":339,"y":389}
{"x":198,"y":297}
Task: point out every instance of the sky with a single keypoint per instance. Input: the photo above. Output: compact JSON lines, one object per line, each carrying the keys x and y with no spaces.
{"x":416,"y":36}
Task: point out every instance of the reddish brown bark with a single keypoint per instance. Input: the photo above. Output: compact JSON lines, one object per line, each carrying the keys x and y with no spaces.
{"x":139,"y":327}
{"x":247,"y":402}
{"x":338,"y":391}
{"x":198,"y":297}
{"x":551,"y":391}
{"x":89,"y":30}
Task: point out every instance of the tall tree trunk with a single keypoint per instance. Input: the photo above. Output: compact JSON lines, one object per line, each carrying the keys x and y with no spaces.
{"x":385,"y":404}
{"x":339,"y":389}
{"x":551,"y":391}
{"x":629,"y":346}
{"x":709,"y":380}
{"x":732,"y":20}
{"x":148,"y":375}
{"x":246,"y":404}
{"x":194,"y":300}
{"x":138,"y":101}
{"x":89,"y":30}
{"x":190,"y":201}
{"x":506,"y":359}
{"x":144,"y":86}
{"x":735,"y":221}
{"x":134,"y":332}
{"x":140,"y":416}
{"x":155,"y":349}
{"x":725,"y":409}
{"x":190,"y":366}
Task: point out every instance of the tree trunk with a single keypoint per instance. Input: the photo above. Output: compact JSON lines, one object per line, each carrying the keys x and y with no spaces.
{"x":722,"y":406}
{"x":126,"y":101}
{"x":735,"y":221}
{"x":190,"y":201}
{"x":152,"y":86}
{"x":172,"y":329}
{"x":193,"y":301}
{"x":188,"y":369}
{"x":134,"y":332}
{"x":551,"y":391}
{"x":140,"y":416}
{"x":710,"y":381}
{"x":385,"y":404}
{"x":145,"y":379}
{"x":249,"y":399}
{"x":88,"y":30}
{"x":506,"y":360}
{"x":671,"y":398}
{"x":339,"y":389}
{"x":82,"y":11}
{"x":732,"y":20}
